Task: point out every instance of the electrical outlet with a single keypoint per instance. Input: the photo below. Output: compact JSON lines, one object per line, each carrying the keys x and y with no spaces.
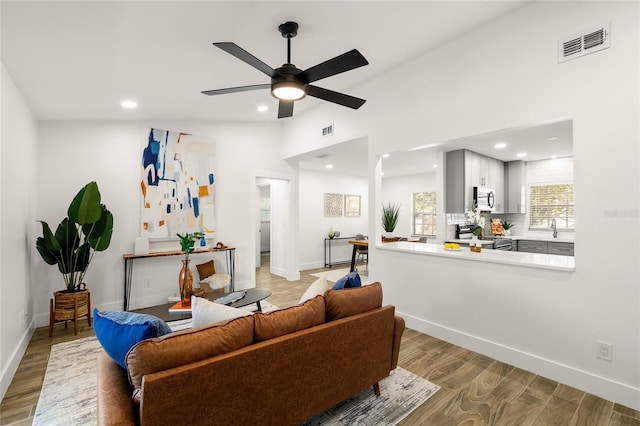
{"x":605,"y":351}
{"x":147,"y":283}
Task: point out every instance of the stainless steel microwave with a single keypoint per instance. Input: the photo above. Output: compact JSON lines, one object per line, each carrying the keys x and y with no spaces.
{"x":484,"y":198}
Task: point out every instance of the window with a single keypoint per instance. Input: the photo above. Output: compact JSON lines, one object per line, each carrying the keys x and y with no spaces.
{"x":265,"y":209}
{"x":547,"y":202}
{"x":424,"y":213}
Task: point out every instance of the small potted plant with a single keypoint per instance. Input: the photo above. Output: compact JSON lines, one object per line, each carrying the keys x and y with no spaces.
{"x":507,"y":226}
{"x":86,"y":229}
{"x":390,"y":217}
{"x":185,"y":279}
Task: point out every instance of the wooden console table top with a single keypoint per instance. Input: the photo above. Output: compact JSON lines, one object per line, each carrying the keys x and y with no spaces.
{"x":175,"y":252}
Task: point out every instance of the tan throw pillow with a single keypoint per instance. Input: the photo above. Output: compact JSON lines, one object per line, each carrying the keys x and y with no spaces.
{"x":318,"y":288}
{"x":206,"y":269}
{"x":205,"y":312}
{"x":289,"y":320}
{"x":351,"y":301}
{"x":184,"y":347}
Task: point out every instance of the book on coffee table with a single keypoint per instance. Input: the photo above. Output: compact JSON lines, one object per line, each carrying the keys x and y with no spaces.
{"x":178,"y":308}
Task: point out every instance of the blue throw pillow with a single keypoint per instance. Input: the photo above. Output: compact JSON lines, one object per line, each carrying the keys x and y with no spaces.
{"x":118,"y":332}
{"x":350,"y":280}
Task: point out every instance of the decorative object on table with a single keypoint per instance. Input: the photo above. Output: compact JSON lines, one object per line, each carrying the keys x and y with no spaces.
{"x":477,"y":221}
{"x":185,"y":279}
{"x":86,"y":229}
{"x":141,"y":245}
{"x":496,"y":226}
{"x":352,"y":205}
{"x":475,"y":245}
{"x":187,"y":162}
{"x":390,"y":217}
{"x":331,"y":234}
{"x":507,"y":228}
{"x":332,"y":205}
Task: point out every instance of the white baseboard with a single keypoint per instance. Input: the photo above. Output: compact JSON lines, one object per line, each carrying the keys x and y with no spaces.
{"x":608,"y":389}
{"x":14,"y":360}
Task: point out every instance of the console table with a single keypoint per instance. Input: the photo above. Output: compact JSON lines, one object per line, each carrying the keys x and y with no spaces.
{"x":327,"y":249}
{"x":129,"y":258}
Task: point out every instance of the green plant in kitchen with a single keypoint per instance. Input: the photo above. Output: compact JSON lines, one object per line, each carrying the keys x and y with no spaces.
{"x":507,"y":225}
{"x":390,"y":216}
{"x":86,"y":229}
{"x":475,"y":219}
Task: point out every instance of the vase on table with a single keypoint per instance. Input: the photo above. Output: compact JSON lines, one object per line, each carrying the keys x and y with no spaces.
{"x":185,"y":279}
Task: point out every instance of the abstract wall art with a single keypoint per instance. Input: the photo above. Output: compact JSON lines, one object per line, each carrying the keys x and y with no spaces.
{"x":352,"y":205}
{"x":177,"y":185}
{"x":332,"y":205}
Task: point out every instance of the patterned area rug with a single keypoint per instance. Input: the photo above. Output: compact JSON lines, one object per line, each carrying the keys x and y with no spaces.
{"x":335,"y":274}
{"x":68,"y":395}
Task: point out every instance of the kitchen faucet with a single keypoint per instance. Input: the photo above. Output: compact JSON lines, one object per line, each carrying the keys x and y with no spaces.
{"x":555,"y":228}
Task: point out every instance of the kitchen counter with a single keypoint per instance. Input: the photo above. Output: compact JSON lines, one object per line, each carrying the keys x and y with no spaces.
{"x":467,"y":241}
{"x":531,"y":260}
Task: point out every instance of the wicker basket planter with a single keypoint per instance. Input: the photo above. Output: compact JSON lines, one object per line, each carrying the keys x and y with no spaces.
{"x":67,"y":306}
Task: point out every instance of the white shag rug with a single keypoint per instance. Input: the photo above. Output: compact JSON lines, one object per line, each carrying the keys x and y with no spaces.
{"x":334,"y":275}
{"x":68,"y":395}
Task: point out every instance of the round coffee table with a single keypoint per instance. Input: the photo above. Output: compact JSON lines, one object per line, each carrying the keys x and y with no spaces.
{"x":252,"y":295}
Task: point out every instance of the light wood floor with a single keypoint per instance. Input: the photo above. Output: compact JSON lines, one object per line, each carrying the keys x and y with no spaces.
{"x":475,"y":389}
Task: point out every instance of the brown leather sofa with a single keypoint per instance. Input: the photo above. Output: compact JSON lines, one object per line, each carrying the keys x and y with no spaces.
{"x":279,"y":368}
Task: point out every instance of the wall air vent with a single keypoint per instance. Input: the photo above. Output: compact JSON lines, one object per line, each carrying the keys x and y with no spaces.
{"x":327,"y":131}
{"x":577,"y":45}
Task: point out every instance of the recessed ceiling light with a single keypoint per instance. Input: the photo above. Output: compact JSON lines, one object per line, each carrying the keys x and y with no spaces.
{"x":554,"y":156}
{"x":521,"y":154}
{"x":329,"y":166}
{"x":381,"y":173}
{"x":129,"y":104}
{"x":263,"y":108}
{"x":552,"y":138}
{"x":435,"y":166}
{"x":500,"y":145}
{"x":386,"y":155}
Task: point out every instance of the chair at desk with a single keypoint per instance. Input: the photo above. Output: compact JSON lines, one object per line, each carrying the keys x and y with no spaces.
{"x":360,"y":250}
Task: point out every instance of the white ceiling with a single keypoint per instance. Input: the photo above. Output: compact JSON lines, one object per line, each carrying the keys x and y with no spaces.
{"x":77,"y":60}
{"x":534,"y":140}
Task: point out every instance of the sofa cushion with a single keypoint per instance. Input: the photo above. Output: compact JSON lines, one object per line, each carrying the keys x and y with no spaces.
{"x":318,"y":288}
{"x":187,"y":346}
{"x":352,"y":301}
{"x":351,"y":280}
{"x":205,"y":312}
{"x":289,"y":320}
{"x":206,"y":269}
{"x":117,"y":332}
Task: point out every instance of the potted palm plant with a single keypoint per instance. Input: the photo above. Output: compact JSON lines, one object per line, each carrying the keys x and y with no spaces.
{"x":86,"y":229}
{"x":390,"y":217}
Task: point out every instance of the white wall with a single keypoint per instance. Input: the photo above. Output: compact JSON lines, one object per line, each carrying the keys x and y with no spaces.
{"x":400,"y":190}
{"x":313,"y":224}
{"x":18,"y":171}
{"x":500,"y":76}
{"x":109,"y":152}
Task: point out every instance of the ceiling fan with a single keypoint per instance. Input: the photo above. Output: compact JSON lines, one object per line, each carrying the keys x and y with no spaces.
{"x":288,"y":83}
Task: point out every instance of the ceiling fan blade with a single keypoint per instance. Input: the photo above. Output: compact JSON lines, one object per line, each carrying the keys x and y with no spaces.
{"x":245,"y":56}
{"x":345,"y":62}
{"x":335,"y":97}
{"x":236,"y":89}
{"x":285,"y":109}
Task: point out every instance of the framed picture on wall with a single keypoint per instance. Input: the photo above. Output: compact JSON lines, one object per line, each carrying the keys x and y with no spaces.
{"x":352,"y":205}
{"x":332,"y":204}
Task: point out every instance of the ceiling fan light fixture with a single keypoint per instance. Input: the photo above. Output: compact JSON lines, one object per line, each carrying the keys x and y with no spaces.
{"x":288,"y":91}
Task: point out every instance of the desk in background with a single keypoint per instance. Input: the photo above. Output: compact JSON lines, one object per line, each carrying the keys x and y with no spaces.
{"x":129,"y":258}
{"x":327,"y":250}
{"x":356,"y":244}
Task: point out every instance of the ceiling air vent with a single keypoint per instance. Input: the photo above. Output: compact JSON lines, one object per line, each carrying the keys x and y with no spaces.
{"x":583,"y":43}
{"x":327,"y":131}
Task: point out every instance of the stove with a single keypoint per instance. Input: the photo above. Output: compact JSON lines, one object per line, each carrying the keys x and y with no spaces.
{"x":500,"y":243}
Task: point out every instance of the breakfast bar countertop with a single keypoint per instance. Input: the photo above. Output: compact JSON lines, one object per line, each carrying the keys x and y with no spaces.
{"x":531,"y":260}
